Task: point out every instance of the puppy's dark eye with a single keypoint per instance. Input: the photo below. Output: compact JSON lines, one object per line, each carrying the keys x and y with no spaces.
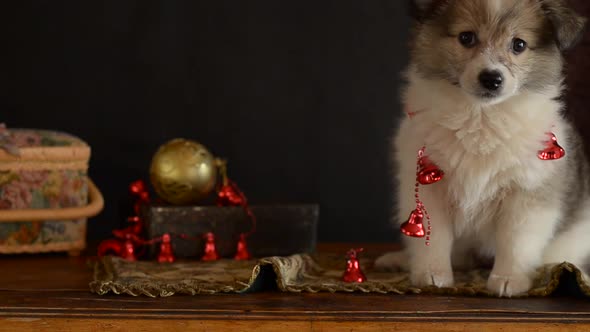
{"x":468,"y":38}
{"x":518,"y":45}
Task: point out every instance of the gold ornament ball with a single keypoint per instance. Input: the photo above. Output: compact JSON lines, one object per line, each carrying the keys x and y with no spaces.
{"x":183,"y":172}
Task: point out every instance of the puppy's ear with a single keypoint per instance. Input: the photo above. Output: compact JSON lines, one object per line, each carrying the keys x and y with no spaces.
{"x":422,"y":10}
{"x":568,"y":26}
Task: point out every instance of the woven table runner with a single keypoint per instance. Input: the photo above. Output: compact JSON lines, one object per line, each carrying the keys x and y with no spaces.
{"x":298,"y":273}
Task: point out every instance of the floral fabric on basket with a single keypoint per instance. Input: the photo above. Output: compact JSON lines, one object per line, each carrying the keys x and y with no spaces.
{"x":41,"y":190}
{"x":33,"y":188}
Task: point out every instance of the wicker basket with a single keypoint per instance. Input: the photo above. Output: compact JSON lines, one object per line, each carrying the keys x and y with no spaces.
{"x":45,"y":193}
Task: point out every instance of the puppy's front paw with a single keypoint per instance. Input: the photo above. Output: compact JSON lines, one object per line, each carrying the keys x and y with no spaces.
{"x":434,"y":277}
{"x":509,"y":285}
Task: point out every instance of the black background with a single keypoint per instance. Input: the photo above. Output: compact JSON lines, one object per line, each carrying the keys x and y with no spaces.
{"x":300,"y":96}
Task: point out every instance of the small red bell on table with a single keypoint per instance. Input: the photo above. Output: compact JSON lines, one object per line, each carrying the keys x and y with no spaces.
{"x":166,"y":254}
{"x":131,"y":241}
{"x":353,"y":273}
{"x":129,"y":251}
{"x":210,"y":249}
{"x":242,"y":254}
{"x":124,"y":245}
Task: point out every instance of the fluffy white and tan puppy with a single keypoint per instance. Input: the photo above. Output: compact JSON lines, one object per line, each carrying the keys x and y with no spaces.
{"x":484,"y":88}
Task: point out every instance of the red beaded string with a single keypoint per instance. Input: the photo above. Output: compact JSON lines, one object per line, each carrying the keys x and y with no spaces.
{"x":419,"y":204}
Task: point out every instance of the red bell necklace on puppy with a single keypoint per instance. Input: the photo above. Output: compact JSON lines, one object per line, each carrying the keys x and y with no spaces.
{"x":428,"y":173}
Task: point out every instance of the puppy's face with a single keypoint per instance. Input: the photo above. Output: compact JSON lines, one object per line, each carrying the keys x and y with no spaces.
{"x":494,"y":49}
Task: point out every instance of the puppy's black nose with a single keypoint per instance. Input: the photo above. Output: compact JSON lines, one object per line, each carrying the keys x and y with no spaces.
{"x":491,"y":79}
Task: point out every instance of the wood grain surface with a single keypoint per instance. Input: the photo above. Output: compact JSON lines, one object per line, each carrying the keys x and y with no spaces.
{"x":50,"y":293}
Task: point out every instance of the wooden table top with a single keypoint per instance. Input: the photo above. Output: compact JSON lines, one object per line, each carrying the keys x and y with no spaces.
{"x":48,"y":293}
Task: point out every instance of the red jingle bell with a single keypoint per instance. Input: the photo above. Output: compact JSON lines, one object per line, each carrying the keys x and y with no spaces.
{"x":128,"y":252}
{"x":166,"y":254}
{"x":242,"y":254}
{"x":139,"y":190}
{"x":430,"y":174}
{"x":230,"y":195}
{"x":553,"y":151}
{"x":414,"y":227}
{"x":137,"y":187}
{"x":353,"y":272}
{"x":110,"y":247}
{"x":210,"y":249}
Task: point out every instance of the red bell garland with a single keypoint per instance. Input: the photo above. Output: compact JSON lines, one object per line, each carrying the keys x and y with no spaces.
{"x":230,"y":195}
{"x":128,"y":240}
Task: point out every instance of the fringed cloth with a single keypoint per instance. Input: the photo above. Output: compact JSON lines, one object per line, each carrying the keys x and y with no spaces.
{"x":298,"y":273}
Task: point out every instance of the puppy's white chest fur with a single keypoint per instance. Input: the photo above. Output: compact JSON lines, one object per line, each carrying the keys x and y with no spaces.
{"x":485,"y":151}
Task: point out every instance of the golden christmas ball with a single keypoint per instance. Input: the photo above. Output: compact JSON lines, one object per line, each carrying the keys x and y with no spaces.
{"x":183,"y":172}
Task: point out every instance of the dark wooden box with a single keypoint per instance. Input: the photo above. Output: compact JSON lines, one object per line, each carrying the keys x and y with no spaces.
{"x":281,"y":229}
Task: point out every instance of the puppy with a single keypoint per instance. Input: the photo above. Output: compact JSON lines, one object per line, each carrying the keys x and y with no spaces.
{"x":483,"y":95}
